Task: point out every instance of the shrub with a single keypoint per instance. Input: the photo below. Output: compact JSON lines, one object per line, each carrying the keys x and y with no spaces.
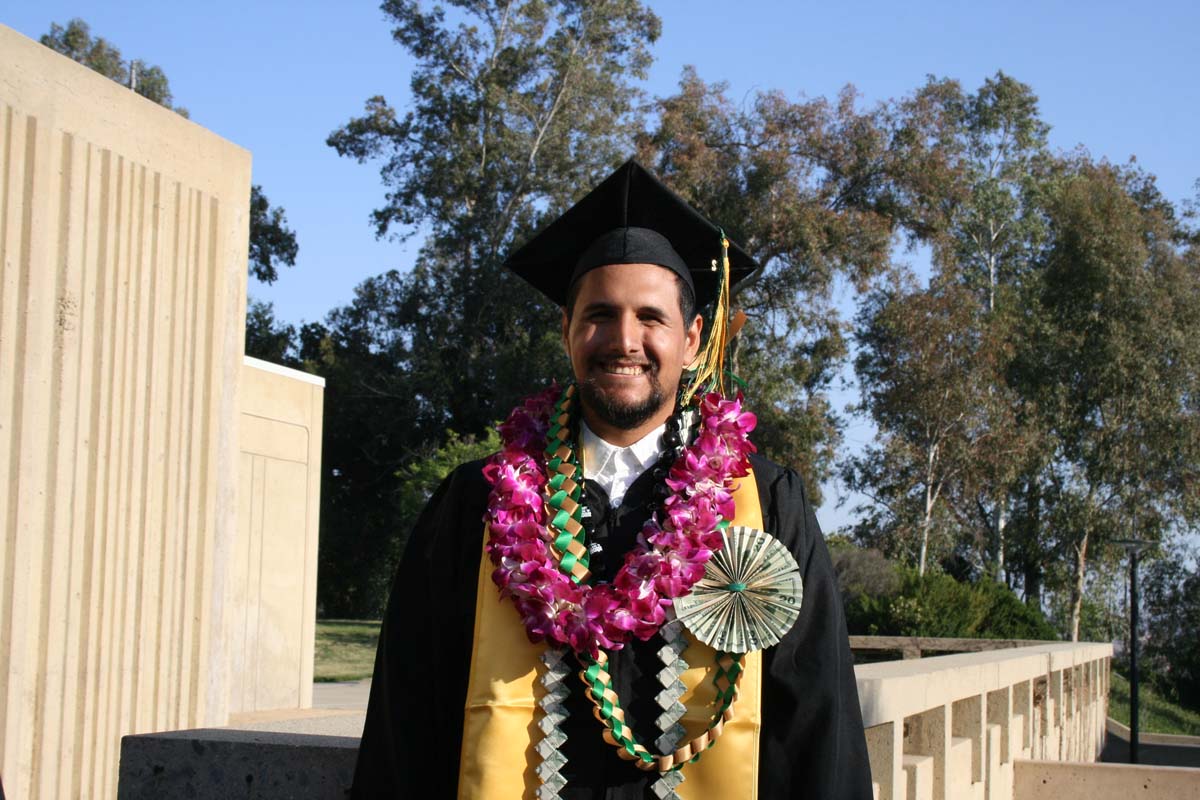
{"x":884,"y":599}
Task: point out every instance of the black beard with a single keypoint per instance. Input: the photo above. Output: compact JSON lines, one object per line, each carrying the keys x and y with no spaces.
{"x":625,"y":417}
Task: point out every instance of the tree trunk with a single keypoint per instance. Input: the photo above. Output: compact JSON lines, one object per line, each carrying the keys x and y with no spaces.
{"x":1077,"y":586}
{"x":1033,"y":584}
{"x":1000,"y":524}
{"x":925,"y":523}
{"x":1031,"y":550}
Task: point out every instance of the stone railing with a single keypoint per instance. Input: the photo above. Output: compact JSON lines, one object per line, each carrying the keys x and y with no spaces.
{"x":951,"y":727}
{"x":920,"y":646}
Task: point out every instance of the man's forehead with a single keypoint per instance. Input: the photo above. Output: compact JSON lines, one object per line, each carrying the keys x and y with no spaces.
{"x":642,"y":273}
{"x":629,"y":284}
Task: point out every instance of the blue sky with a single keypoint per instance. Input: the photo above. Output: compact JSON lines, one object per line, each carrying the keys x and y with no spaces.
{"x":1118,"y":78}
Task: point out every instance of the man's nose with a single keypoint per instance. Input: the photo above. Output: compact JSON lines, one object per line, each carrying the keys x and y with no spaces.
{"x":630,"y":333}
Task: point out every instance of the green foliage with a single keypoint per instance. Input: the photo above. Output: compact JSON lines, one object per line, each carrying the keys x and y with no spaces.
{"x":862,"y":571}
{"x":1098,"y":622}
{"x":1171,"y":626}
{"x":356,"y":572}
{"x":938,"y":605}
{"x":1110,"y":360}
{"x":1039,"y":396}
{"x":515,"y":111}
{"x":884,"y":599}
{"x":797,"y":184}
{"x":268,"y":338}
{"x":272,"y":242}
{"x":1156,"y":714}
{"x":965,"y":170}
{"x":421,"y":477}
{"x":75,"y":41}
{"x":920,"y":367}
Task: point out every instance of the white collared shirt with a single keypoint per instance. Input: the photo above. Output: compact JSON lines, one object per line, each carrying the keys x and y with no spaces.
{"x":616,"y":468}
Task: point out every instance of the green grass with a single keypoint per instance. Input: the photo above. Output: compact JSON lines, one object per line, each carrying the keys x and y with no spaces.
{"x":1156,"y":713}
{"x":345,"y":649}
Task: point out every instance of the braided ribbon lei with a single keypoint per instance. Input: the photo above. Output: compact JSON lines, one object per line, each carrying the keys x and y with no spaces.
{"x":538,"y":545}
{"x":608,"y":710}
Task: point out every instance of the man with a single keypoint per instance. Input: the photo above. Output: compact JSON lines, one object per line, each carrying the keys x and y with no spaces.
{"x":473,"y":698}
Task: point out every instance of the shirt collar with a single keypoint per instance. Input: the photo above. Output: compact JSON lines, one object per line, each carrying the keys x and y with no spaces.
{"x":613,"y":467}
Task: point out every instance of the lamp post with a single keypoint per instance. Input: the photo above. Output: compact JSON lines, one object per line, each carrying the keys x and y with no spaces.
{"x":1133,"y":547}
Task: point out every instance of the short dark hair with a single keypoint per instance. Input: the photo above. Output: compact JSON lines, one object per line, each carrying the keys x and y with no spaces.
{"x":687,"y":298}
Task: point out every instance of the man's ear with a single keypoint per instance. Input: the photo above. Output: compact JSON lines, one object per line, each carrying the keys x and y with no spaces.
{"x":693,"y":339}
{"x":566,"y":325}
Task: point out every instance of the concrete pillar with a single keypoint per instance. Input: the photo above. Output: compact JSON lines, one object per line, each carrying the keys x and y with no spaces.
{"x":1054,"y":710}
{"x":967,"y":721}
{"x":999,"y":712}
{"x":884,"y":744}
{"x":1042,"y":717}
{"x":996,"y":785}
{"x":1022,"y":705}
{"x":918,"y":775}
{"x":928,"y":734}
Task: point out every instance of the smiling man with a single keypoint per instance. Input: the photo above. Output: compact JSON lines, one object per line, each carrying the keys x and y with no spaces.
{"x":628,"y":339}
{"x":626,"y":601}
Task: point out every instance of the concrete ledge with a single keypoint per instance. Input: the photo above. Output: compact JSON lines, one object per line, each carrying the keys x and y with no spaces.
{"x":1055,"y":780}
{"x":889,"y":690}
{"x":220,"y":763}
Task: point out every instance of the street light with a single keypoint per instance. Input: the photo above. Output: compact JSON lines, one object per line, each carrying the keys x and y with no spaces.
{"x":1133,"y":547}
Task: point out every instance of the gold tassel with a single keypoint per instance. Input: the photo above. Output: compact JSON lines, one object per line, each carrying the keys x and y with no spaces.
{"x":710,"y":362}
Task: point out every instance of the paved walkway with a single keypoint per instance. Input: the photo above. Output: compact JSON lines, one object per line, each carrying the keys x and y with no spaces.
{"x":338,"y":710}
{"x":350,"y":694}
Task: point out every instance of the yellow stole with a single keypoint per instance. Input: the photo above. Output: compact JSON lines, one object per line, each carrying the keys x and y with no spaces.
{"x":500,"y":718}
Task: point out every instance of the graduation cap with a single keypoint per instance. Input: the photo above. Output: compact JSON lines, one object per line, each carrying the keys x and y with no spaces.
{"x":630,"y":218}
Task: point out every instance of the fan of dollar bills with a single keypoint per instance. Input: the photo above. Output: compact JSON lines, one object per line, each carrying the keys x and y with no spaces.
{"x":749,"y":596}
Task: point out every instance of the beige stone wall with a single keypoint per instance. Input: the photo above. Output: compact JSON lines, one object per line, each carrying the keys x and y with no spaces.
{"x":274,"y":591}
{"x":953,"y":727}
{"x":123,"y":238}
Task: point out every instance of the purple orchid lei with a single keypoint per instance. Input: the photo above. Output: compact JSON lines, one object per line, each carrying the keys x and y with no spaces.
{"x":672,"y":549}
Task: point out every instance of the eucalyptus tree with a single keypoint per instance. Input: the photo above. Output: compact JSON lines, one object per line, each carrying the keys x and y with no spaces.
{"x":514,"y":110}
{"x":986,"y":240}
{"x":965,"y":171}
{"x":799,"y":183}
{"x":1113,"y":364}
{"x":919,"y":373}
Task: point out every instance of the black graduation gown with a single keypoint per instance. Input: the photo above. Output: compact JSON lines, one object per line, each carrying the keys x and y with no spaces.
{"x":812,"y":743}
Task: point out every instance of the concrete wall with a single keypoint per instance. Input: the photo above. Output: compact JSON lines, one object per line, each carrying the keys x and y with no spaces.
{"x":274,"y":592}
{"x":952,"y":727}
{"x":123,"y":239}
{"x":1048,"y":780}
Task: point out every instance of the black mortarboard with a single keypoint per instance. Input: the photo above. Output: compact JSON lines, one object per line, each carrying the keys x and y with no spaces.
{"x":630,"y":218}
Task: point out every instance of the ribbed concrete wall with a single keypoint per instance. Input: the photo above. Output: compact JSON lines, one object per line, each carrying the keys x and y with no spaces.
{"x":123,"y":237}
{"x":273,"y":597}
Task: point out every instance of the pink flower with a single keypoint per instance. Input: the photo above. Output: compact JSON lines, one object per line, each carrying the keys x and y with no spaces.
{"x":675,"y":543}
